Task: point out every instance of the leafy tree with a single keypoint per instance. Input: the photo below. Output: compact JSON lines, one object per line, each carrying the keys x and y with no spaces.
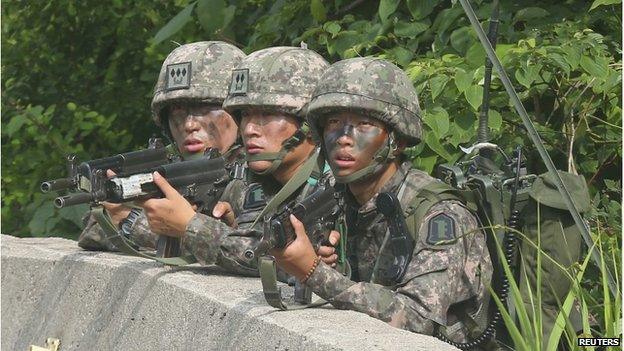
{"x":76,"y":78}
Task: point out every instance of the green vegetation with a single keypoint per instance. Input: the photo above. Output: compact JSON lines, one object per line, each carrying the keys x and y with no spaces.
{"x":78,"y":76}
{"x":600,"y":310}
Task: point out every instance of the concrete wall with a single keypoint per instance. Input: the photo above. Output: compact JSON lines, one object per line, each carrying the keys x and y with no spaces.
{"x":104,"y":301}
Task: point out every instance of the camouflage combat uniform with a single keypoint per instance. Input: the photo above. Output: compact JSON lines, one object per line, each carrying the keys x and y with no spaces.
{"x":276,"y":79}
{"x":212,"y":241}
{"x":445,"y":279}
{"x":195,"y":72}
{"x":93,"y":236}
{"x":438,"y":279}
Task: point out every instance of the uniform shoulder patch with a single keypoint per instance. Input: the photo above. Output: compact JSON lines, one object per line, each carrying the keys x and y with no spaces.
{"x":254,"y":198}
{"x":441,"y":230}
{"x":178,"y":76}
{"x":240,"y":82}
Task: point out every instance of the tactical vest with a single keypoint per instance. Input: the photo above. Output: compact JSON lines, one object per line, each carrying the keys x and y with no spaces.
{"x":543,"y":219}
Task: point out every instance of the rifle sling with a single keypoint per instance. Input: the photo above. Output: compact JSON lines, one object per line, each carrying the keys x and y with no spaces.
{"x":125,"y":246}
{"x":266,"y":264}
{"x":273,"y":293}
{"x":290,"y":187}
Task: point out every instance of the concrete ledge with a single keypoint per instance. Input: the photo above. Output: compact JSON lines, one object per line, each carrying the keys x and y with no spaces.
{"x":103,"y":301}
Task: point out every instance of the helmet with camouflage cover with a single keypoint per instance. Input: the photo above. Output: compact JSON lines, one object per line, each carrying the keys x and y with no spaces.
{"x":278,"y":79}
{"x":370,"y":87}
{"x":195,"y":72}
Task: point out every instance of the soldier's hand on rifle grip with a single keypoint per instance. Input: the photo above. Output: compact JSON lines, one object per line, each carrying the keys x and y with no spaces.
{"x":169,"y":215}
{"x":223,"y":211}
{"x":117,"y":212}
{"x":327,"y":253}
{"x":297,"y":258}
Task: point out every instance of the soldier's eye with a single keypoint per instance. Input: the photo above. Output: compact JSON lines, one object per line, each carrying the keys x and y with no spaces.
{"x":178,"y":115}
{"x":332,"y":121}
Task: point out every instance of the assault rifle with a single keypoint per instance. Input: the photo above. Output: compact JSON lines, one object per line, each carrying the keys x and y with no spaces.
{"x":200,"y":181}
{"x":197,"y":180}
{"x":318,"y":212}
{"x":80,"y":176}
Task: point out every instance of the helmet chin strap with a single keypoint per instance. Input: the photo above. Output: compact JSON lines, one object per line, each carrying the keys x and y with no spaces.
{"x":382,"y":157}
{"x":278,"y":157}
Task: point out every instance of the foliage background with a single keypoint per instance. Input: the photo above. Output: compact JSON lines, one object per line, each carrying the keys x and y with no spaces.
{"x":78,"y":76}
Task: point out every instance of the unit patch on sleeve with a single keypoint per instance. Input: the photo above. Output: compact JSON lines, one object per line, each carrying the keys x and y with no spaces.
{"x":240,"y":82}
{"x":441,"y":230}
{"x":254,"y":197}
{"x":178,"y":76}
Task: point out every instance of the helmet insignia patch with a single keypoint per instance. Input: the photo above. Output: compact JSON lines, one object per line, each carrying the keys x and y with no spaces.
{"x":240,"y":82}
{"x":178,"y":76}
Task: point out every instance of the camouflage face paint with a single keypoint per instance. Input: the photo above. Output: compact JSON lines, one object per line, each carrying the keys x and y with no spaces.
{"x":197,"y":127}
{"x":351,"y":141}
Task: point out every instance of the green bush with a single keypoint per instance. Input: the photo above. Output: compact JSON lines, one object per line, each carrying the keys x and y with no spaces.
{"x":76,"y":78}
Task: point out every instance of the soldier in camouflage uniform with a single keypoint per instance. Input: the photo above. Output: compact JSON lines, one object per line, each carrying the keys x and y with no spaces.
{"x":365,"y":110}
{"x":268,"y":96}
{"x":187,"y":103}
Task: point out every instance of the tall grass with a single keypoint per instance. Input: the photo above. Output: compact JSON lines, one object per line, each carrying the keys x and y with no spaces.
{"x":601,"y":313}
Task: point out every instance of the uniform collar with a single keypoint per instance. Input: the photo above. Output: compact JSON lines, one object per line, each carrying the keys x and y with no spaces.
{"x":392,"y":185}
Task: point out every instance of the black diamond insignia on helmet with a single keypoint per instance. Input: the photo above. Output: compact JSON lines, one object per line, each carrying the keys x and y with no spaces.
{"x":179,"y":77}
{"x":240,"y":82}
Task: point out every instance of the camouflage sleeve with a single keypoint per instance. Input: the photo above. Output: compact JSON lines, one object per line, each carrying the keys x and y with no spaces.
{"x":141,"y":234}
{"x":213,"y":242}
{"x":438,"y":276}
{"x":93,"y":237}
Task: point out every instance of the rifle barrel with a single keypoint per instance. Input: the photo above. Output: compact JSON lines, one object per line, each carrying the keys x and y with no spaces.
{"x":56,"y":184}
{"x":71,"y":200}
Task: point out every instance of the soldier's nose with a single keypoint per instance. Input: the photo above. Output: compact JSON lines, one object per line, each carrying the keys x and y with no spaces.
{"x":191,"y":124}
